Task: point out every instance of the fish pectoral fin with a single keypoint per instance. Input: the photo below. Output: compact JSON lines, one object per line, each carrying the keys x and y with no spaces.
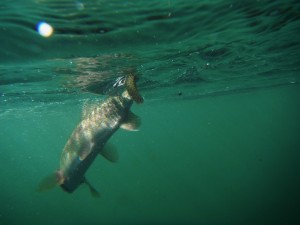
{"x":132,"y":122}
{"x":110,"y":152}
{"x":50,"y":182}
{"x":93,"y":191}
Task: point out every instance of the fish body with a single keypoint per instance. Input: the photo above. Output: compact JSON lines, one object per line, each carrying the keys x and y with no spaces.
{"x":90,"y":137}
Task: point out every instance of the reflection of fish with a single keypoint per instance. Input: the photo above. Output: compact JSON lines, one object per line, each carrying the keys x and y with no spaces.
{"x":90,"y":139}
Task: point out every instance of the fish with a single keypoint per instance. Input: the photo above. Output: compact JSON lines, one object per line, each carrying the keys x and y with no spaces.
{"x":90,"y":139}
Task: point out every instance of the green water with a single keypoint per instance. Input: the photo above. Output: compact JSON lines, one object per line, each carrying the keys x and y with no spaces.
{"x":231,"y":159}
{"x":219,"y":141}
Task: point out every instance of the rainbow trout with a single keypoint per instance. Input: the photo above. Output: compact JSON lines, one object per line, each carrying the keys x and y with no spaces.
{"x":90,"y":137}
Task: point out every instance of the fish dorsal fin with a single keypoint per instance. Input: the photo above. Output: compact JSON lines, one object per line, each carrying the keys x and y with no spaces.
{"x":110,"y":152}
{"x":132,"y":122}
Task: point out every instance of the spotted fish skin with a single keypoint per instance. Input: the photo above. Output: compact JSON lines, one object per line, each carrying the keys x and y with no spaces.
{"x":89,"y":138}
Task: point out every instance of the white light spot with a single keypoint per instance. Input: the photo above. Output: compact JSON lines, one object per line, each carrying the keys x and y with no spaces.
{"x":44,"y":29}
{"x":79,"y":5}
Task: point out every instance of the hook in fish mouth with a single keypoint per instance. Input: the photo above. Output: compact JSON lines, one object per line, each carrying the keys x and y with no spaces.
{"x":130,"y":84}
{"x":120,"y":81}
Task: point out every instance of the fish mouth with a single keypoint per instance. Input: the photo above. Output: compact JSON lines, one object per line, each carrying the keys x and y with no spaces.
{"x":130,"y":84}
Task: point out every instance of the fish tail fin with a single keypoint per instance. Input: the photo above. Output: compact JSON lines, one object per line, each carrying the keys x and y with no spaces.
{"x":93,"y":191}
{"x":50,"y":181}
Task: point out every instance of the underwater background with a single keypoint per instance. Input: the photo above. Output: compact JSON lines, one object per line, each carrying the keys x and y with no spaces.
{"x":220,"y":135}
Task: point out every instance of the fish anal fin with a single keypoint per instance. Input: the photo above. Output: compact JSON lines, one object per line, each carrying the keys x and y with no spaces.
{"x":93,"y":191}
{"x":132,"y":122}
{"x":110,"y":152}
{"x":50,"y":181}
